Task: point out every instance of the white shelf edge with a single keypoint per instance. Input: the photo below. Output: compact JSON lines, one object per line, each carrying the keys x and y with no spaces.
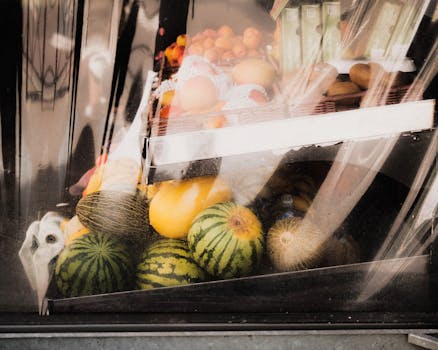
{"x":293,"y":132}
{"x":405,"y":65}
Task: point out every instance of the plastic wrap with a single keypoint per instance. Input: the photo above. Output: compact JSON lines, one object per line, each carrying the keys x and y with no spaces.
{"x":282,"y":158}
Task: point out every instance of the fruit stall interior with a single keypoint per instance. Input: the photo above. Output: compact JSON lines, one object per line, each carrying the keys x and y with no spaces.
{"x":344,"y":226}
{"x":345,"y":278}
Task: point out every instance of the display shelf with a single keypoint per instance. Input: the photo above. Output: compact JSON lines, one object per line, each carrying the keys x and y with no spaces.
{"x":289,"y":132}
{"x":317,"y":290}
{"x":348,"y":153}
{"x":369,"y":285}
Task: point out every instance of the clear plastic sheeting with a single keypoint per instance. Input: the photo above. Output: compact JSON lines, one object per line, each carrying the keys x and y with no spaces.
{"x":275,"y":157}
{"x":315,"y":58}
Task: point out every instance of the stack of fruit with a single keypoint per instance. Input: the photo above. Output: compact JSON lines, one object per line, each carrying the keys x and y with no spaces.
{"x":201,"y":87}
{"x":185,"y":231}
{"x":218,"y":46}
{"x":218,"y":70}
{"x":174,"y":53}
{"x":224,"y":44}
{"x":246,"y":68}
{"x":369,"y":83}
{"x":365,"y":84}
{"x":111,"y":218}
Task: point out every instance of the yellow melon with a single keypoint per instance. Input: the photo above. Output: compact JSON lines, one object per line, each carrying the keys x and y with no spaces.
{"x":175,"y":205}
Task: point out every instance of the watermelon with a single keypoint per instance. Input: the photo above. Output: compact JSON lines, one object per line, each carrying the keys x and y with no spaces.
{"x":95,"y":263}
{"x":114,"y":212}
{"x":226,"y":240}
{"x":168,"y":262}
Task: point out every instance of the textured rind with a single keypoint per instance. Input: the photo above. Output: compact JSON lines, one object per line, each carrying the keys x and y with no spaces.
{"x":303,"y":248}
{"x":114,"y":212}
{"x":219,"y":249}
{"x":166,"y":263}
{"x":94,"y":264}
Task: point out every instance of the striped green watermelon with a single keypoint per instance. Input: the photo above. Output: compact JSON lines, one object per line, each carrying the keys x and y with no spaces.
{"x":226,"y":240}
{"x":168,"y":262}
{"x":94,"y":264}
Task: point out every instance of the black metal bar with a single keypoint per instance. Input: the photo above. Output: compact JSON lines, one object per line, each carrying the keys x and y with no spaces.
{"x":10,"y":86}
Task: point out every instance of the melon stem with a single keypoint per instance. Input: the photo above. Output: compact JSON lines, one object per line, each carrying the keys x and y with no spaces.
{"x":236,"y":221}
{"x":285,"y":238}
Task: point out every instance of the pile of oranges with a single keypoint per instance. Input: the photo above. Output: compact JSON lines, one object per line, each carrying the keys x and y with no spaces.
{"x":218,"y":45}
{"x":224,"y":44}
{"x":175,"y":52}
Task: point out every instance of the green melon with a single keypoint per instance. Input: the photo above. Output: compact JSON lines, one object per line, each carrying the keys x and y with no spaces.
{"x":226,"y":240}
{"x":294,"y":243}
{"x":114,"y":212}
{"x":94,"y":264}
{"x":168,"y":262}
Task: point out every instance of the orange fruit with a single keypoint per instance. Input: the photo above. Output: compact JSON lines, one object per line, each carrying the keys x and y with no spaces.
{"x":253,"y":53}
{"x":238,"y":39}
{"x":224,"y":43}
{"x":252,"y":38}
{"x":239,"y":50}
{"x":177,"y":53}
{"x":228,"y":55}
{"x":215,"y":122}
{"x":165,"y":112}
{"x":208,"y":43}
{"x":169,"y":52}
{"x":170,"y":111}
{"x":225,"y":31}
{"x":212,"y":55}
{"x":197,"y":37}
{"x":181,"y":40}
{"x":196,"y":48}
{"x":209,"y":33}
{"x":167,"y":97}
{"x":257,"y":96}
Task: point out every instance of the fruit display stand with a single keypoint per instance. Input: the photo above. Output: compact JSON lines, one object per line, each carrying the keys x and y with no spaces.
{"x":226,"y":118}
{"x":316,"y":291}
{"x":247,"y":194}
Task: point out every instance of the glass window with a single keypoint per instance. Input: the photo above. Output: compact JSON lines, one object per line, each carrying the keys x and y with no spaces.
{"x":271,"y":161}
